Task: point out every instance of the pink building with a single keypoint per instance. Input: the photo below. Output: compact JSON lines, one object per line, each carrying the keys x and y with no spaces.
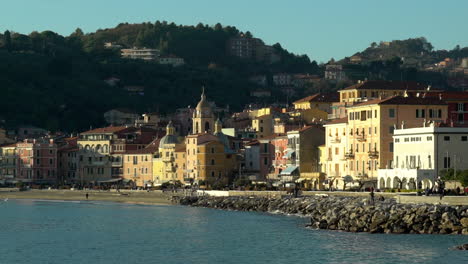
{"x":280,"y":144}
{"x":37,"y":160}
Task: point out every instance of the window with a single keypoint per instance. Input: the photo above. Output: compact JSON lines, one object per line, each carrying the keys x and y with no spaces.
{"x":464,"y":138}
{"x":391,"y":146}
{"x":446,"y":138}
{"x":51,"y":161}
{"x":391,"y":129}
{"x":212,"y":162}
{"x":423,"y":113}
{"x":397,"y":140}
{"x":446,"y":162}
{"x":417,"y":113}
{"x":439,"y":113}
{"x":265,"y":161}
{"x":461,"y":107}
{"x":212,"y":150}
{"x":460,"y":118}
{"x":429,"y":138}
{"x":375,"y":113}
{"x":431,"y":113}
{"x":391,"y":113}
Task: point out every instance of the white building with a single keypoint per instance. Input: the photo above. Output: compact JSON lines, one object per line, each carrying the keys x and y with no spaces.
{"x":143,"y":53}
{"x":171,"y":60}
{"x":421,"y":153}
{"x":334,"y":161}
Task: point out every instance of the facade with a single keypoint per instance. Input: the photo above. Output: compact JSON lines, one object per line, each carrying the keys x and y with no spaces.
{"x":369,"y":132}
{"x":282,"y":79}
{"x":9,"y":163}
{"x":138,"y":167}
{"x":140,"y":53}
{"x":37,"y":161}
{"x":203,"y":118}
{"x":68,"y":161}
{"x":334,"y":72}
{"x":172,"y":60}
{"x":119,"y":117}
{"x":333,"y":162}
{"x":180,"y":161}
{"x":321,"y":101}
{"x":167,"y":147}
{"x":422,"y":153}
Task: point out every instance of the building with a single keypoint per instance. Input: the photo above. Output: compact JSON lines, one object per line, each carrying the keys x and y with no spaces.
{"x":321,"y":101}
{"x":9,"y":163}
{"x":37,"y":161}
{"x":172,"y":60}
{"x":280,"y":144}
{"x":421,"y":153}
{"x":334,"y":72}
{"x":263,"y":125}
{"x":140,"y":53}
{"x":303,"y":156}
{"x":282,"y":79}
{"x":3,"y":137}
{"x":181,"y":163}
{"x":370,"y":130}
{"x":167,"y":147}
{"x":332,"y":159}
{"x":120,"y":117}
{"x":203,"y":118}
{"x":68,"y":161}
{"x":138,"y":167}
{"x":457,"y":105}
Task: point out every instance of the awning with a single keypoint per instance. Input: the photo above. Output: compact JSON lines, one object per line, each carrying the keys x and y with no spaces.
{"x":111,"y":180}
{"x":289,"y":170}
{"x":288,"y":155}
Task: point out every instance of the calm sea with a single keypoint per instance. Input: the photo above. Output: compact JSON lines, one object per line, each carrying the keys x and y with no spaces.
{"x":99,"y":232}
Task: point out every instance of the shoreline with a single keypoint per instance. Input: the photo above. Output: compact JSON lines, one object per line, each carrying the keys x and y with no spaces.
{"x":125,"y":196}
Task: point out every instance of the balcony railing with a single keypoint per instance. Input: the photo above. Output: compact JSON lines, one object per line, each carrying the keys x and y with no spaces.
{"x":168,"y":159}
{"x":361,"y":137}
{"x":335,"y":140}
{"x":349,"y":155}
{"x":373,"y":154}
{"x":170,"y":169}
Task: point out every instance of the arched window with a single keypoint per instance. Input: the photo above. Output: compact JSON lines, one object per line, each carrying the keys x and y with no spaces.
{"x":207,"y":126}
{"x":212,"y":162}
{"x":212,"y":174}
{"x":196,"y":128}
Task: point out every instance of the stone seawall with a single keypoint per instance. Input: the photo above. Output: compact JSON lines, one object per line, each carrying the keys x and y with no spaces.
{"x":352,"y":214}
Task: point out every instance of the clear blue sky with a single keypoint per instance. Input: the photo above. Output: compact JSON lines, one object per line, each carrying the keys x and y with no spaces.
{"x":321,"y":29}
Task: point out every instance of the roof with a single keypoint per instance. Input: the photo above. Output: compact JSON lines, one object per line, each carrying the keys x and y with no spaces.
{"x":320,"y":97}
{"x":338,"y":121}
{"x":401,"y":100}
{"x":109,"y":129}
{"x":8,"y":145}
{"x":446,"y":95}
{"x":180,"y":149}
{"x":147,"y":150}
{"x":388,"y":85}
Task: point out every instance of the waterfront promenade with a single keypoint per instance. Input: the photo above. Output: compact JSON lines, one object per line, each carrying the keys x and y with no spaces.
{"x":124,"y":196}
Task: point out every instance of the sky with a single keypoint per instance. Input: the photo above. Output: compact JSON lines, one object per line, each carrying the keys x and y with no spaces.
{"x":322,"y":29}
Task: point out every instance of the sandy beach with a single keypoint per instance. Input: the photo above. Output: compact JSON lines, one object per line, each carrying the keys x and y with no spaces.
{"x":125,"y":196}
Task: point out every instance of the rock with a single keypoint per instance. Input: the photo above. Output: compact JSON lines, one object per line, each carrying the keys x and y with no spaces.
{"x":462,"y":247}
{"x":464,"y":221}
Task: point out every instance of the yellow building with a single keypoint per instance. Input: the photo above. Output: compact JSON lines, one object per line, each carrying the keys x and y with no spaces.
{"x":263,"y":125}
{"x":366,"y":90}
{"x":167,"y":147}
{"x":138,"y":166}
{"x":181,"y":164}
{"x":321,"y":101}
{"x":369,"y":131}
{"x":203,"y":118}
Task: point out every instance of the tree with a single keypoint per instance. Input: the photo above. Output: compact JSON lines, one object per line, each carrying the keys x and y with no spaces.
{"x":373,"y":45}
{"x":463,"y":177}
{"x":7,"y":38}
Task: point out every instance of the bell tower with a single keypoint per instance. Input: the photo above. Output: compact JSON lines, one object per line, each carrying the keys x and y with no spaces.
{"x":203,"y":118}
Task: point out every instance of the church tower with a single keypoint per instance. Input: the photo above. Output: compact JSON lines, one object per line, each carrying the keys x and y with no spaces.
{"x":203,"y":119}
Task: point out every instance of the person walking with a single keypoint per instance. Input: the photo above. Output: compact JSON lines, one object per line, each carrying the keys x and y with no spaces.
{"x":87,"y":196}
{"x":372,"y":195}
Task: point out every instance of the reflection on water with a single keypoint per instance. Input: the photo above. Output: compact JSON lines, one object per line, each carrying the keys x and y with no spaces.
{"x":103,"y":232}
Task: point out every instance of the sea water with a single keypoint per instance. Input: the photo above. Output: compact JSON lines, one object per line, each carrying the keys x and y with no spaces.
{"x":100,"y":232}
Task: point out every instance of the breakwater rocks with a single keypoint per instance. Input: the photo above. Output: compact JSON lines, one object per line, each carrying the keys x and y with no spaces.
{"x":352,"y":214}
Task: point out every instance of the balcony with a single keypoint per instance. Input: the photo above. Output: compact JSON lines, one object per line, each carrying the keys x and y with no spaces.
{"x":349,"y":155}
{"x":361,"y":138}
{"x":168,"y":159}
{"x":373,"y":154}
{"x":170,"y":169}
{"x":335,"y":140}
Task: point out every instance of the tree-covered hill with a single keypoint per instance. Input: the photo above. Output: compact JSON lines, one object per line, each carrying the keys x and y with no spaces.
{"x":57,"y":82}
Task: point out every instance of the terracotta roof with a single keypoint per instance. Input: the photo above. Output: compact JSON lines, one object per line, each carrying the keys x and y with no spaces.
{"x":320,"y":97}
{"x":109,"y":129}
{"x":400,"y":100}
{"x":8,"y":145}
{"x":252,"y":143}
{"x":446,"y":95}
{"x":147,"y":150}
{"x":338,"y":121}
{"x":388,"y":85}
{"x":180,"y":149}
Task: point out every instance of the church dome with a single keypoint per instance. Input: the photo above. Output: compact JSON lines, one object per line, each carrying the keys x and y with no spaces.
{"x":170,"y":138}
{"x":203,"y":108}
